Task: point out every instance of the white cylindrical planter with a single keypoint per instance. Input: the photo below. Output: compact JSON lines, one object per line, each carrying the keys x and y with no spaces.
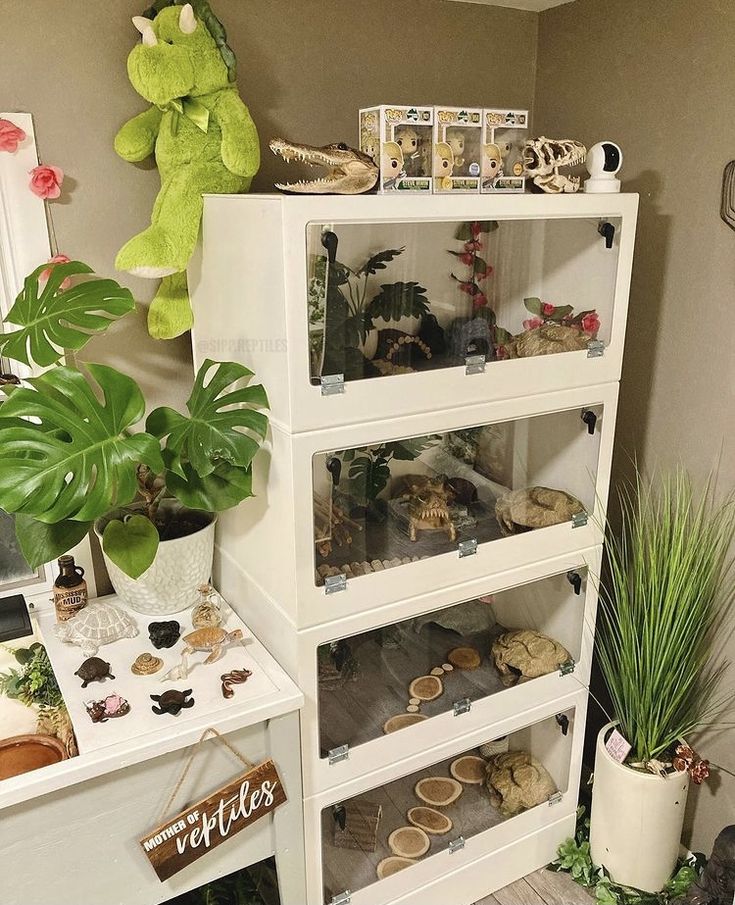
{"x":636,"y":821}
{"x":180,"y":567}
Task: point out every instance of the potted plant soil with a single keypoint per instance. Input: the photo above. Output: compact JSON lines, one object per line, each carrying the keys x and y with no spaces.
{"x":665,"y":602}
{"x":70,"y":459}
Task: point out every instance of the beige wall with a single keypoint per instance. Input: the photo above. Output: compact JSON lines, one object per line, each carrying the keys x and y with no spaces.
{"x":657,"y":77}
{"x":304,"y":68}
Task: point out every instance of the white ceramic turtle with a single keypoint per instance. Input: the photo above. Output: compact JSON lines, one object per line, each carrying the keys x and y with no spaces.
{"x":517,"y":781}
{"x":535,"y":507}
{"x":527,"y":654}
{"x":95,"y":625}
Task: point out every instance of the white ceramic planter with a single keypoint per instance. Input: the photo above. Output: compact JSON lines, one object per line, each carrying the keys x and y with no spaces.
{"x":636,"y":821}
{"x":170,"y":584}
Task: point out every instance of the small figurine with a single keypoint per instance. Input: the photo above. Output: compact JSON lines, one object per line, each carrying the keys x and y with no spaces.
{"x":95,"y":625}
{"x":427,"y":503}
{"x":409,"y":141}
{"x":164,"y":634}
{"x":213,"y":640}
{"x":207,"y":613}
{"x":146,"y":664}
{"x":492,"y":163}
{"x":236,"y":677}
{"x":172,"y":701}
{"x":542,"y":158}
{"x":112,"y":707}
{"x":716,"y":885}
{"x":391,"y":164}
{"x":93,"y":670}
{"x":443,"y":165}
{"x":455,"y":140}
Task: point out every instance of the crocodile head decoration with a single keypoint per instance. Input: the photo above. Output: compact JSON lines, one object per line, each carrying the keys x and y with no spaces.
{"x":349,"y":172}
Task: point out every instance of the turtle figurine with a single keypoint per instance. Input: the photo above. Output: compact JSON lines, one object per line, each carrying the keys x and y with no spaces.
{"x":97,"y":624}
{"x":518,"y":781}
{"x":535,"y":507}
{"x":93,"y":669}
{"x":164,"y":634}
{"x":112,"y":707}
{"x":213,"y":639}
{"x":172,"y":701}
{"x":527,"y":654}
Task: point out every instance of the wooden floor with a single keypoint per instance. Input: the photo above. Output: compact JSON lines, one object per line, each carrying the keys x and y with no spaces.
{"x":541,"y":888}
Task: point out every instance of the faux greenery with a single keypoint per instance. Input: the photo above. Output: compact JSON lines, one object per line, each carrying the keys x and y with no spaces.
{"x":668,"y":594}
{"x":573,"y":857}
{"x":369,"y":466}
{"x":68,"y":450}
{"x":34,"y":682}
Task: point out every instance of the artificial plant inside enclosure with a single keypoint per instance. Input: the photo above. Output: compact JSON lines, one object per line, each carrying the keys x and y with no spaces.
{"x":666,"y":604}
{"x":69,"y":451}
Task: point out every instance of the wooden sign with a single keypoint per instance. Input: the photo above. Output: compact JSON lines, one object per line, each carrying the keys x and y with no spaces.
{"x":183,"y":839}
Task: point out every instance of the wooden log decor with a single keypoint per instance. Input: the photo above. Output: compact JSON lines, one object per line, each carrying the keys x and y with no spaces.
{"x":188,"y":835}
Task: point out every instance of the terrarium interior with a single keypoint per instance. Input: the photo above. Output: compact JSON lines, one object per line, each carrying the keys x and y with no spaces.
{"x":396,"y":502}
{"x":400,"y":297}
{"x":370,"y":837}
{"x":390,"y":678}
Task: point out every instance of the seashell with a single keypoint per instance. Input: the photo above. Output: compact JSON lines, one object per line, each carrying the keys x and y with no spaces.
{"x":146,"y":664}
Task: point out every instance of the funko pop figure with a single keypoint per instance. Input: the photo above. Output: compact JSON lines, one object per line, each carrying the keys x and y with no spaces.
{"x":455,"y":140}
{"x":409,"y":141}
{"x":399,"y":140}
{"x":391,"y":164}
{"x":492,"y":162}
{"x":443,"y":164}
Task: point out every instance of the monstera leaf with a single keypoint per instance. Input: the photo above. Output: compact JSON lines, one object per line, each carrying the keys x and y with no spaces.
{"x":54,"y":319}
{"x":208,"y":454}
{"x":397,"y":300}
{"x":75,"y":460}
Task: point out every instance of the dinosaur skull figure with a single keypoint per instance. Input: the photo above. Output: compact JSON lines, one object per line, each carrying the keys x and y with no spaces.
{"x":350,"y":172}
{"x":542,"y":158}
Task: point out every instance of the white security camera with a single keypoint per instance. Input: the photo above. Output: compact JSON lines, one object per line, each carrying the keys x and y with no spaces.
{"x":604,"y":160}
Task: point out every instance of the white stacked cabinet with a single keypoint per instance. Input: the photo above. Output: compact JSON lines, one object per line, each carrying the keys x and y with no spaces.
{"x":552,"y":421}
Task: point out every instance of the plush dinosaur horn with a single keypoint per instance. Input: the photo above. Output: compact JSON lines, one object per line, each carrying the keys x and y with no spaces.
{"x":187,"y":19}
{"x":149,"y":37}
{"x":141,"y":23}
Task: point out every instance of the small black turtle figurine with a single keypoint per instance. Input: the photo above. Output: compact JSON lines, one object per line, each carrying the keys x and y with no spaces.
{"x":164,"y":634}
{"x":93,"y":670}
{"x":172,"y":701}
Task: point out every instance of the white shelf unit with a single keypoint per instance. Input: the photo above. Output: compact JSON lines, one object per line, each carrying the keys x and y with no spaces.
{"x":250,"y":283}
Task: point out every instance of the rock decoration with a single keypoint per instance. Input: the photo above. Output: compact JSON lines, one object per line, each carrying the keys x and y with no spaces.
{"x":535,"y":507}
{"x":469,"y":769}
{"x":409,"y":842}
{"x":359,"y":828}
{"x":146,"y":664}
{"x":527,"y":654}
{"x":164,"y":634}
{"x":438,"y":791}
{"x":112,"y":707}
{"x":94,"y":670}
{"x":548,"y":339}
{"x":518,"y":781}
{"x":391,"y":865}
{"x":235,"y":677}
{"x":429,"y":820}
{"x":496,"y":746}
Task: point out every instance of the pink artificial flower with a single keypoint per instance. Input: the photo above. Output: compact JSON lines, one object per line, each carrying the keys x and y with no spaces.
{"x":532,"y":323}
{"x":466,"y":258}
{"x":472,"y":245}
{"x":10,"y":136}
{"x":483,"y":274}
{"x":469,"y":287}
{"x":45,"y":274}
{"x":479,"y":300}
{"x":591,"y":323}
{"x":475,"y":228}
{"x":46,"y":181}
{"x":501,"y":353}
{"x":548,"y":309}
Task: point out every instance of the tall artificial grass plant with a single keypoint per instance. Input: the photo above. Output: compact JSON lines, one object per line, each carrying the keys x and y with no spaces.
{"x":665,"y":602}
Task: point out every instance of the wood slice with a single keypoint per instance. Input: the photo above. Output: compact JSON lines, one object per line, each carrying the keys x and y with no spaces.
{"x":469,"y":769}
{"x":439,"y":791}
{"x":426,"y":688}
{"x":430,"y":821}
{"x":414,"y":701}
{"x":409,"y":842}
{"x":401,"y":721}
{"x":412,"y":708}
{"x":464,"y":657}
{"x":390,"y":866}
{"x":437,"y":671}
{"x":447,"y":667}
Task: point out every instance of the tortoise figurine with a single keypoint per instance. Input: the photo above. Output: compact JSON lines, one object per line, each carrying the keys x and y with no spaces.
{"x":535,"y":507}
{"x":93,"y":670}
{"x":518,"y":781}
{"x":97,"y":624}
{"x":213,"y":639}
{"x":172,"y":701}
{"x":527,"y":654}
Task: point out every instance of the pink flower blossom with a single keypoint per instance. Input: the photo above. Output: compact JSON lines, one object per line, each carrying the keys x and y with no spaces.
{"x":46,"y":181}
{"x":532,"y":323}
{"x":591,"y":323}
{"x":483,"y":274}
{"x":466,"y":258}
{"x":501,"y":353}
{"x":547,"y":309}
{"x":475,"y":228}
{"x":479,"y":300}
{"x":10,"y":136}
{"x":469,"y":287}
{"x":45,"y":274}
{"x":472,"y":245}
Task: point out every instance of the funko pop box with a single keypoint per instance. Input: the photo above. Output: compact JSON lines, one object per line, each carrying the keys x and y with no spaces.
{"x":457,"y":149}
{"x":399,"y":139}
{"x":503,"y":133}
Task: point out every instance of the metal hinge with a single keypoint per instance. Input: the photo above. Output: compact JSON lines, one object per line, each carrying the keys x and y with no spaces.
{"x":567,"y":668}
{"x":456,"y":845}
{"x":595,"y":348}
{"x":579,"y":519}
{"x":474,"y":364}
{"x":333,"y":384}
{"x":342,"y":899}
{"x":463,"y":706}
{"x":467,"y":547}
{"x":555,"y":798}
{"x":336,"y":755}
{"x":335,"y":583}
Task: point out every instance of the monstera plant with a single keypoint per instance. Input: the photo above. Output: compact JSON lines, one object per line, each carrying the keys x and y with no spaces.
{"x":70,"y":454}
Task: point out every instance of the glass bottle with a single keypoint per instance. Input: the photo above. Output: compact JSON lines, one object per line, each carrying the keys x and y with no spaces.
{"x":70,"y":589}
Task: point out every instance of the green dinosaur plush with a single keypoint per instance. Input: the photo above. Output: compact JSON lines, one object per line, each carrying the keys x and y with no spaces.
{"x":204,"y":141}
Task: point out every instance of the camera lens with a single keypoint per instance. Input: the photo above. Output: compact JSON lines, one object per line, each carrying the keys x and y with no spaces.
{"x":612,"y":158}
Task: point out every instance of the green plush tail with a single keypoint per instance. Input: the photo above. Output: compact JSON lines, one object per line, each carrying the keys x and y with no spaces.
{"x":170,"y":312}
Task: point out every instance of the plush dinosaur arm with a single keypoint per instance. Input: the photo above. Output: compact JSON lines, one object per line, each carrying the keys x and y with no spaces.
{"x":136,"y":140}
{"x":240,"y":145}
